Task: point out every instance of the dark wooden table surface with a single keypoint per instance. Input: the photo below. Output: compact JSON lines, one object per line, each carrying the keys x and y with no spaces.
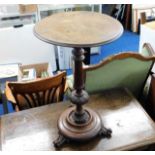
{"x":35,"y":129}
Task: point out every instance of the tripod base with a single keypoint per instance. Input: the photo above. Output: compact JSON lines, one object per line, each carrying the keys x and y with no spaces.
{"x":71,"y":131}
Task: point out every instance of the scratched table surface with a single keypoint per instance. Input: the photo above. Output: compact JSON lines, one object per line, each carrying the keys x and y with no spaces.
{"x":36,"y":128}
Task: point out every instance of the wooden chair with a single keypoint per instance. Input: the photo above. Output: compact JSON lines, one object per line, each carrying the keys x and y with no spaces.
{"x":37,"y":93}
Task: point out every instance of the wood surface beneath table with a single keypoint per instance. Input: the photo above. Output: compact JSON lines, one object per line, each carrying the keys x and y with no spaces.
{"x":78,"y":29}
{"x":35,"y":129}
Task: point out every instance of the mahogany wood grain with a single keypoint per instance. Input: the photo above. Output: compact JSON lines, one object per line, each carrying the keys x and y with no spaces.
{"x":78,"y":29}
{"x":36,"y":128}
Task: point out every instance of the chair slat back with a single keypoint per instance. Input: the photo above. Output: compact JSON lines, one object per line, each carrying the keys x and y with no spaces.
{"x":39,"y":92}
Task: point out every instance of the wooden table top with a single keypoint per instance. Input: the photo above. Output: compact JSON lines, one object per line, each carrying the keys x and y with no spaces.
{"x":36,"y":128}
{"x":78,"y":29}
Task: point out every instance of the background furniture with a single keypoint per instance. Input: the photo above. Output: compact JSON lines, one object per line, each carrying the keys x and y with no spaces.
{"x":13,"y":15}
{"x":129,"y":70}
{"x":21,"y":46}
{"x":36,"y":128}
{"x":47,"y":9}
{"x":136,"y":10}
{"x":22,"y":14}
{"x":36,"y":93}
{"x":147,"y":33}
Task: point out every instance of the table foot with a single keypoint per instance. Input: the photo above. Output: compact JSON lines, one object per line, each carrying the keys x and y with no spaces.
{"x":105,"y":132}
{"x":60,"y":141}
{"x":69,"y":130}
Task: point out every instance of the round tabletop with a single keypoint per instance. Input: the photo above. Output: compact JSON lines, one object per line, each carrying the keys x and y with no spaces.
{"x":78,"y":29}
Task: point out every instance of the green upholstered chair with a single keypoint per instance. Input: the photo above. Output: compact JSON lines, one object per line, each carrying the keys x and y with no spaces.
{"x":128,"y":70}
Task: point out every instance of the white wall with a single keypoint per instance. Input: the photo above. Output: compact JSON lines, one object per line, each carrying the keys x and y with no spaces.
{"x":147,"y":35}
{"x":20,"y":45}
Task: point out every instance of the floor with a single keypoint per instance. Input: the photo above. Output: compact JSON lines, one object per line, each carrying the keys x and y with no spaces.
{"x":127,"y":42}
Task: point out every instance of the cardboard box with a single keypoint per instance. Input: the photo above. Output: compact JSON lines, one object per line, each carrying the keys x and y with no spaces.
{"x":30,"y":8}
{"x":29,"y":74}
{"x":40,"y":68}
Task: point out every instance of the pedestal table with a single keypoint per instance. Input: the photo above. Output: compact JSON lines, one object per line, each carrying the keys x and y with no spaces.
{"x":79,"y":29}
